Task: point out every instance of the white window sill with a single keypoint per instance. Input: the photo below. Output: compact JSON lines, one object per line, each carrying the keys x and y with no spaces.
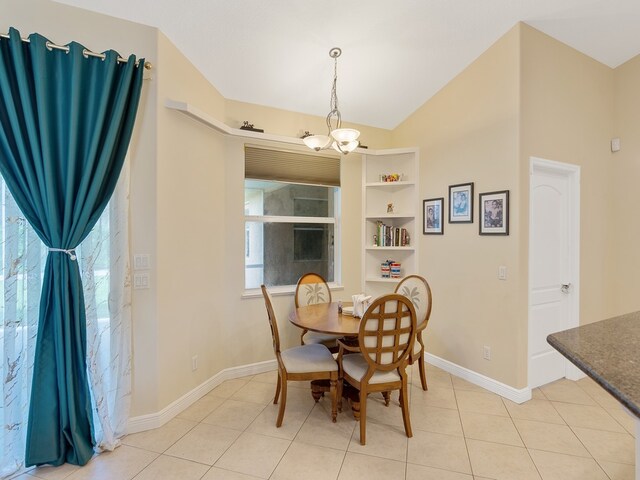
{"x":282,"y":291}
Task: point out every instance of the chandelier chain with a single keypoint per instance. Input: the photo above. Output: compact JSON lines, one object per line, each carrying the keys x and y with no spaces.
{"x":344,"y":140}
{"x":333,"y":105}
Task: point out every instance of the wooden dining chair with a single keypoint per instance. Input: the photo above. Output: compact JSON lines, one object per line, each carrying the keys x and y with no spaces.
{"x":417,"y":289}
{"x":378,"y":363}
{"x":312,"y":289}
{"x":302,"y":363}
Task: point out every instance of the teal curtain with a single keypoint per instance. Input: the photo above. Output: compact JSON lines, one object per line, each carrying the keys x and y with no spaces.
{"x":65,"y":126}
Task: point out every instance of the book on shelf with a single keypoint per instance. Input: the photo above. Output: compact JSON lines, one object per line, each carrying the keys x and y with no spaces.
{"x":390,"y":236}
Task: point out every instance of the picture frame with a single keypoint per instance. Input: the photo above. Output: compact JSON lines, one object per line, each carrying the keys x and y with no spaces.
{"x":494,"y":213}
{"x":432,"y":221}
{"x":461,"y":203}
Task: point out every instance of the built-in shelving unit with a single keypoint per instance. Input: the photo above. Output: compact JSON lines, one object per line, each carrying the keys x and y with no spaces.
{"x":377,"y":197}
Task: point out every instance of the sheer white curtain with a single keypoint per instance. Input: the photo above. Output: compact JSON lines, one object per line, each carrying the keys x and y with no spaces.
{"x":104,"y":262}
{"x":106,"y":277}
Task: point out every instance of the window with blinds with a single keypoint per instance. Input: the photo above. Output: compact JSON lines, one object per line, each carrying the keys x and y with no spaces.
{"x":292,"y":203}
{"x":291,"y":166}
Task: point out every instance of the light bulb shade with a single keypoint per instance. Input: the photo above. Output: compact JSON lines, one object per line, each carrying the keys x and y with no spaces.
{"x":316,"y":142}
{"x":349,"y":147}
{"x":345,"y":136}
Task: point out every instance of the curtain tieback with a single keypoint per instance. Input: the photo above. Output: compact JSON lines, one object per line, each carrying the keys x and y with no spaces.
{"x":71,"y":252}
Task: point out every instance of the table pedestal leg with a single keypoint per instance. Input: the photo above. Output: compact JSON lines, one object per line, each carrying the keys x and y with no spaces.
{"x":318,"y":387}
{"x":350,"y":394}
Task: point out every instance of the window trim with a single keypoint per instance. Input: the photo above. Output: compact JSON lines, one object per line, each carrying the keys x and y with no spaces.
{"x":288,"y":219}
{"x":283,"y":290}
{"x":335,"y":220}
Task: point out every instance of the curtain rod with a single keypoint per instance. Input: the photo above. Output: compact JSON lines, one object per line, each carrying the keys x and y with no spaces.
{"x":85,"y":52}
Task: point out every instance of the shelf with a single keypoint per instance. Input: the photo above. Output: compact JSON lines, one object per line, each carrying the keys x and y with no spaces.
{"x":388,"y":215}
{"x":409,"y":249}
{"x":382,"y":280}
{"x":211,"y":122}
{"x":389,"y":184}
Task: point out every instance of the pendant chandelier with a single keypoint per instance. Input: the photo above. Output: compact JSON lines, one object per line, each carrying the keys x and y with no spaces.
{"x":344,"y":140}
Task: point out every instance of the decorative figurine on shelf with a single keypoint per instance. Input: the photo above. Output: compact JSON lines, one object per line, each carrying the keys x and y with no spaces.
{"x":389,"y":207}
{"x":249,"y":126}
{"x":375,"y":240}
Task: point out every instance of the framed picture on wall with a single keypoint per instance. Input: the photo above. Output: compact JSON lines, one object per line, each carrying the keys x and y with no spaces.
{"x":494,"y":213}
{"x":461,"y":203}
{"x":432,"y":223}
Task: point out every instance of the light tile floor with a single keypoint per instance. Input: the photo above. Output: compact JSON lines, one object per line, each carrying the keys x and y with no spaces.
{"x":569,"y":430}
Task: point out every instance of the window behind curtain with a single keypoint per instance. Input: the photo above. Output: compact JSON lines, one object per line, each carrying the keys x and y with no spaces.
{"x":292,"y":207}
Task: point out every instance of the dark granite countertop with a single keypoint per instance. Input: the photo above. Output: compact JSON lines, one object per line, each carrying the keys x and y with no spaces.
{"x":609,"y":352}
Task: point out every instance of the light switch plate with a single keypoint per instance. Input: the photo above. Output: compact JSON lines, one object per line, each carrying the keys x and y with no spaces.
{"x":502,"y":273}
{"x":141,"y":261}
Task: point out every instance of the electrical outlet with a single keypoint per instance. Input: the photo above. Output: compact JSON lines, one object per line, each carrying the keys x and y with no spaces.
{"x":141,"y":280}
{"x":486,"y":352}
{"x":194,"y":363}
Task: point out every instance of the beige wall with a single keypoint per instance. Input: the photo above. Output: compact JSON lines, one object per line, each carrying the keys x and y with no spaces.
{"x":200,"y":205}
{"x":625,"y":174}
{"x":528,"y":95}
{"x":468,"y":132}
{"x":567,"y":116}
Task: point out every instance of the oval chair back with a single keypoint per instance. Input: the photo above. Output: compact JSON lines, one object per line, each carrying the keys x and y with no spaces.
{"x":272,"y":320}
{"x":417,"y":289}
{"x":312,"y":289}
{"x":387,"y":333}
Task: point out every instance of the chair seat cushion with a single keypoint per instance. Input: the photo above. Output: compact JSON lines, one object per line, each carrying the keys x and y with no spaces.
{"x":308,"y":358}
{"x":356,"y":366}
{"x":311,"y":338}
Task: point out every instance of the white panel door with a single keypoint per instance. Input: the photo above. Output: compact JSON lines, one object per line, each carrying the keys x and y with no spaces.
{"x":551,"y":252}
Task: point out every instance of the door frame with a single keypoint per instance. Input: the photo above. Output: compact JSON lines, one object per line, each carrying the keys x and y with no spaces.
{"x":572,"y":173}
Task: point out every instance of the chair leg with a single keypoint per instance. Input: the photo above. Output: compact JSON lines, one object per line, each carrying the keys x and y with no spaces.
{"x":275,"y":399}
{"x":283,"y":402}
{"x":404,"y":401}
{"x":387,"y":398}
{"x":339,"y":387}
{"x":423,"y":373}
{"x":363,"y":417}
{"x":333,"y":390}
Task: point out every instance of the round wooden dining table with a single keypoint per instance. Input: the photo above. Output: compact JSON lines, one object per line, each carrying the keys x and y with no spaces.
{"x":325,"y":318}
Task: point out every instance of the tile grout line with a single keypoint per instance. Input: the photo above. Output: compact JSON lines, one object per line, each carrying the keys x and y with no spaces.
{"x":579,"y":439}
{"x":466,"y":445}
{"x":535,"y":465}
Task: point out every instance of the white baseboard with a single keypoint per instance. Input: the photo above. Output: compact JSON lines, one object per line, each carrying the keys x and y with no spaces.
{"x":513,"y":394}
{"x":573,"y":372}
{"x":156,"y":420}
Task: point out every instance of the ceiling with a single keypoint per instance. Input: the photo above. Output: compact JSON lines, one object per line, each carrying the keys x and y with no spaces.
{"x":396,"y":54}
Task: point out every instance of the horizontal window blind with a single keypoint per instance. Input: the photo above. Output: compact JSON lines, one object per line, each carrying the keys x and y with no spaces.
{"x":290,"y":166}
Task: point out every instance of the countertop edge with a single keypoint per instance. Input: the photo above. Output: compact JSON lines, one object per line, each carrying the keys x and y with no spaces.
{"x":589,"y":370}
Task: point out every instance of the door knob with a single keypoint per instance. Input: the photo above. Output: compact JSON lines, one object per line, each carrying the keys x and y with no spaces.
{"x":565,"y":287}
